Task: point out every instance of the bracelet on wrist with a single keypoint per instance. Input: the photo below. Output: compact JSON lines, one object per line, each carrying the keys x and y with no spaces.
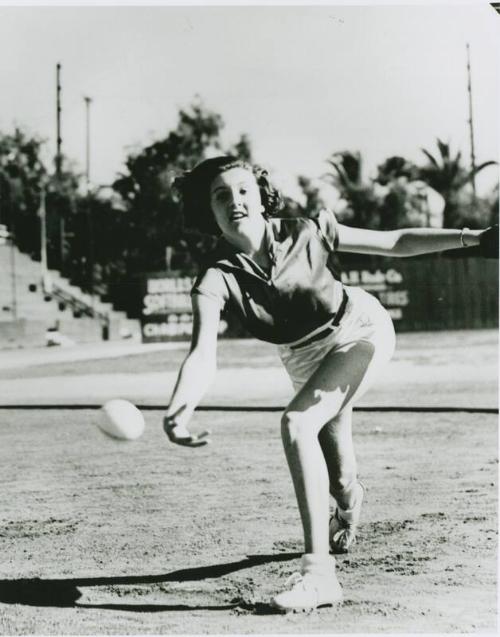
{"x":462,"y":241}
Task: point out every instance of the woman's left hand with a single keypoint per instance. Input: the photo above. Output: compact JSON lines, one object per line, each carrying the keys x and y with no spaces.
{"x":488,"y":242}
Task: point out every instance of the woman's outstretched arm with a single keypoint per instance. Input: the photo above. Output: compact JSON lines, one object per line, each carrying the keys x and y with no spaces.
{"x":196,"y":373}
{"x":406,"y":242}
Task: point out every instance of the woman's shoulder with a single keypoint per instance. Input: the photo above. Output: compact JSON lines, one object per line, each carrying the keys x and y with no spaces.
{"x":287,"y":225}
{"x":322,"y":221}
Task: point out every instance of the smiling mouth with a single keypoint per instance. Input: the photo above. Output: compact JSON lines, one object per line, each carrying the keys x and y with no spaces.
{"x":239,"y":214}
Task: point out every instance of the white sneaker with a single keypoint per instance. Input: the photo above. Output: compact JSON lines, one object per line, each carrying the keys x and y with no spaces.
{"x":309,"y":590}
{"x":344,"y":524}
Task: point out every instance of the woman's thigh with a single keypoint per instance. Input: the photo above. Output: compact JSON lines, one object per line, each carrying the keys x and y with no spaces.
{"x":365,"y":321}
{"x":342,"y":377}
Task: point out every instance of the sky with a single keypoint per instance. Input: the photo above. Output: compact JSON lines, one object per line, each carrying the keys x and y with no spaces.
{"x":302,"y":82}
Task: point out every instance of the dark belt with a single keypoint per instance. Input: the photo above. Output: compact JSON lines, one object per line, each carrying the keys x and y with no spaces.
{"x":335,"y":320}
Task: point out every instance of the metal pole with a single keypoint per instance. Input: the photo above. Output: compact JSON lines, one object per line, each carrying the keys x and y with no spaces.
{"x":43,"y":235}
{"x":62,"y":242}
{"x":471,"y":126}
{"x":12,"y":268}
{"x":59,"y":165}
{"x":58,"y":121}
{"x":13,"y":275}
{"x":88,"y":101}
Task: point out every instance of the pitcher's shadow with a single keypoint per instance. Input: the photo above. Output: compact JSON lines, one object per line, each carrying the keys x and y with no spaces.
{"x":64,"y":593}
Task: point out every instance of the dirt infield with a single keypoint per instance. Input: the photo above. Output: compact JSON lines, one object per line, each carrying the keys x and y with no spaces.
{"x":103,"y":537}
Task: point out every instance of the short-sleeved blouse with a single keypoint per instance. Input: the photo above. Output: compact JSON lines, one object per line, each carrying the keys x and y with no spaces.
{"x":297,"y":295}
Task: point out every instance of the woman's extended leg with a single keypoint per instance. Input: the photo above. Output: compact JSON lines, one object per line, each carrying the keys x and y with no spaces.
{"x":343,"y":375}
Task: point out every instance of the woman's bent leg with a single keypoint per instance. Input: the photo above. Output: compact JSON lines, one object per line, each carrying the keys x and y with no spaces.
{"x":337,"y":445}
{"x":343,"y":375}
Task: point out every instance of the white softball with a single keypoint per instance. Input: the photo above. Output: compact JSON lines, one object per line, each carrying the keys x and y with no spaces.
{"x":121,"y":419}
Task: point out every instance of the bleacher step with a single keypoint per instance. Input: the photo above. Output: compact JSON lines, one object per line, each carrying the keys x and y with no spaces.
{"x":32,"y":310}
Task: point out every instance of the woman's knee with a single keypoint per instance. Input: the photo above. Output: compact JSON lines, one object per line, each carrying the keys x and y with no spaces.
{"x":297,"y":426}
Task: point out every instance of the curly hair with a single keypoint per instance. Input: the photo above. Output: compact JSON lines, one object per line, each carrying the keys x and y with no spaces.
{"x":194,"y":189}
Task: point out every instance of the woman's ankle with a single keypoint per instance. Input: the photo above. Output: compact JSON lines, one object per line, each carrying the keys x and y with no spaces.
{"x":318,"y":564}
{"x":347,"y":497}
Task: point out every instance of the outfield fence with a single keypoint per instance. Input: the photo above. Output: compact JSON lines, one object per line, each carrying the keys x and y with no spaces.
{"x":423,"y":293}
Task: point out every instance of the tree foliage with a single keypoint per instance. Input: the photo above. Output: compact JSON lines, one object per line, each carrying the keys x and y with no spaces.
{"x":446,"y":174}
{"x":102,"y":240}
{"x":403,"y":194}
{"x":404,"y":199}
{"x":21,"y":175}
{"x":154,"y":214}
{"x":346,"y":175}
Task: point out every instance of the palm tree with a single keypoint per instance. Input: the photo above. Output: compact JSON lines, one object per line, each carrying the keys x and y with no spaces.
{"x":361,"y":198}
{"x":405,"y":199}
{"x":446,"y":174}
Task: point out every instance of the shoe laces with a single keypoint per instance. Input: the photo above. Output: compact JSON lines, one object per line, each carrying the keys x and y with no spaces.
{"x":298,"y":580}
{"x":293,"y":580}
{"x":345,"y":524}
{"x":349,"y":522}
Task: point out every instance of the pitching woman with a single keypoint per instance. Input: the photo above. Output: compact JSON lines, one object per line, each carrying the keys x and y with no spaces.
{"x":332,"y":339}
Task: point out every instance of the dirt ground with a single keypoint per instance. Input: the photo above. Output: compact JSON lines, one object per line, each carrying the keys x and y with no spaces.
{"x":105,"y":537}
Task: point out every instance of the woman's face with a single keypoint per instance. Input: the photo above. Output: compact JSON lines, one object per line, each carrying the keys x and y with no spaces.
{"x":235,"y":200}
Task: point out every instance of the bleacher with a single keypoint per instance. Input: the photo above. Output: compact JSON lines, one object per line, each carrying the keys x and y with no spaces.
{"x":38,"y":310}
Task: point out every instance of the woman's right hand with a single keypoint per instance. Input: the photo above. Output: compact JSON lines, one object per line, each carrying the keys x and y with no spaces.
{"x":196,"y":374}
{"x":180,"y":435}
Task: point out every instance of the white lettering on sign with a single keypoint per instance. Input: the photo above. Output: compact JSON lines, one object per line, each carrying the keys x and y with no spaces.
{"x":350,"y":277}
{"x":155,"y":330}
{"x":393,"y":277}
{"x":177,"y":326}
{"x":169,"y":284}
{"x":380,"y":283}
{"x":398,"y":298}
{"x":368,"y":277}
{"x":161,"y":303}
{"x":396,"y":313}
{"x":372,"y":280}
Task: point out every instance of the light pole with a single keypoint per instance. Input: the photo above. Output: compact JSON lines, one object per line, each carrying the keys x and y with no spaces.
{"x":58,"y":121}
{"x":88,"y":101}
{"x":9,"y":234}
{"x":471,"y":129}
{"x":58,"y":166}
{"x":42,"y":213}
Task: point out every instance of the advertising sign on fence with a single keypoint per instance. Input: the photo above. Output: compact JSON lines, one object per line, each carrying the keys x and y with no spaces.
{"x":432,"y":293}
{"x":166,"y":307}
{"x":420,"y":294}
{"x":386,"y":284}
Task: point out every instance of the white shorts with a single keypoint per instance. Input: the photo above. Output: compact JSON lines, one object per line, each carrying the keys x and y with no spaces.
{"x":365,"y":319}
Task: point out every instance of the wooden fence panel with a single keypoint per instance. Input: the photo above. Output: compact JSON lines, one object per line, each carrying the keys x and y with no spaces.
{"x":425,"y":293}
{"x":435,"y":293}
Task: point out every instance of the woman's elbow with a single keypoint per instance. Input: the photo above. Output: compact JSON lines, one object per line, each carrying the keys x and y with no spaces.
{"x":202,"y":359}
{"x":403,"y":245}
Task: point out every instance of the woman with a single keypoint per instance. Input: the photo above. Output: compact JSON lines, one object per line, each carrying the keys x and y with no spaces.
{"x":332,"y":339}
